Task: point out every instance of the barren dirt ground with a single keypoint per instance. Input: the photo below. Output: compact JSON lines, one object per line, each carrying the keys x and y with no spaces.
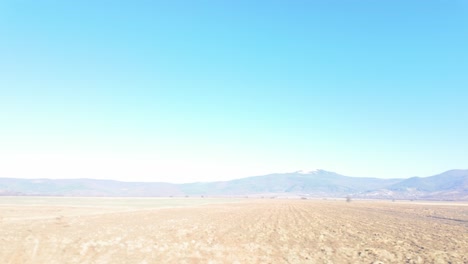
{"x":249,"y":231}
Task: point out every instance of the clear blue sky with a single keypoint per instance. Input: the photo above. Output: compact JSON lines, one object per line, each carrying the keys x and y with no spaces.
{"x":211,"y":90}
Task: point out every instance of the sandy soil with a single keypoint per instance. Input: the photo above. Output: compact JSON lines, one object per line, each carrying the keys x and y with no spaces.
{"x":251,"y":231}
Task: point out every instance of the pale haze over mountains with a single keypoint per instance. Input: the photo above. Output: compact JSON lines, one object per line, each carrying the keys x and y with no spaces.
{"x":216,"y":90}
{"x":450,"y":185}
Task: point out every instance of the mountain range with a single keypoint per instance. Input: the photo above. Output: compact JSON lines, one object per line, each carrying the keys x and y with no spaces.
{"x":450,"y":185}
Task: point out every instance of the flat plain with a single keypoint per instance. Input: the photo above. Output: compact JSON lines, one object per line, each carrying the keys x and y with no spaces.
{"x":207,"y":230}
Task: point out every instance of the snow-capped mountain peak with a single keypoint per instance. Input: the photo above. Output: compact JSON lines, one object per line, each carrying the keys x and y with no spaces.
{"x":307,"y":171}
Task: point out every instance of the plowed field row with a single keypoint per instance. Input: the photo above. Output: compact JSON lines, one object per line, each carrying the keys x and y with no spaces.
{"x":252,"y":231}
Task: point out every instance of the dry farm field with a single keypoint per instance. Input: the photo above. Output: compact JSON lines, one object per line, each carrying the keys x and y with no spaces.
{"x":189,"y":230}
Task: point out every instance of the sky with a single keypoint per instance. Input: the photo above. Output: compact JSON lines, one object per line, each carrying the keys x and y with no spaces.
{"x":184,"y":91}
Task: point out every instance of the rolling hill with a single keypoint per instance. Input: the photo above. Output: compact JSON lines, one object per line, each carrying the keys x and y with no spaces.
{"x":450,"y":185}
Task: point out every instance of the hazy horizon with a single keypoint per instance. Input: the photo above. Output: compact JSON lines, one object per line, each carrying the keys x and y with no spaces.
{"x":182,"y":92}
{"x":177,"y":181}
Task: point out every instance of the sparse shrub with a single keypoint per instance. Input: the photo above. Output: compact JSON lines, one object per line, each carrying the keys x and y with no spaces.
{"x":348,"y":199}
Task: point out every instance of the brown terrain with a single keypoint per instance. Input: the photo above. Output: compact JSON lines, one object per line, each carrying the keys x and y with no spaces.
{"x":237,"y":231}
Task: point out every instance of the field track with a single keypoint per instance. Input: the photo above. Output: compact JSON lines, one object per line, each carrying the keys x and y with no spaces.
{"x":249,"y":231}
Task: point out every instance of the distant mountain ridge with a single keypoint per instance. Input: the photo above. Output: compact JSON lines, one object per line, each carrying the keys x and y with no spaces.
{"x":450,"y":185}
